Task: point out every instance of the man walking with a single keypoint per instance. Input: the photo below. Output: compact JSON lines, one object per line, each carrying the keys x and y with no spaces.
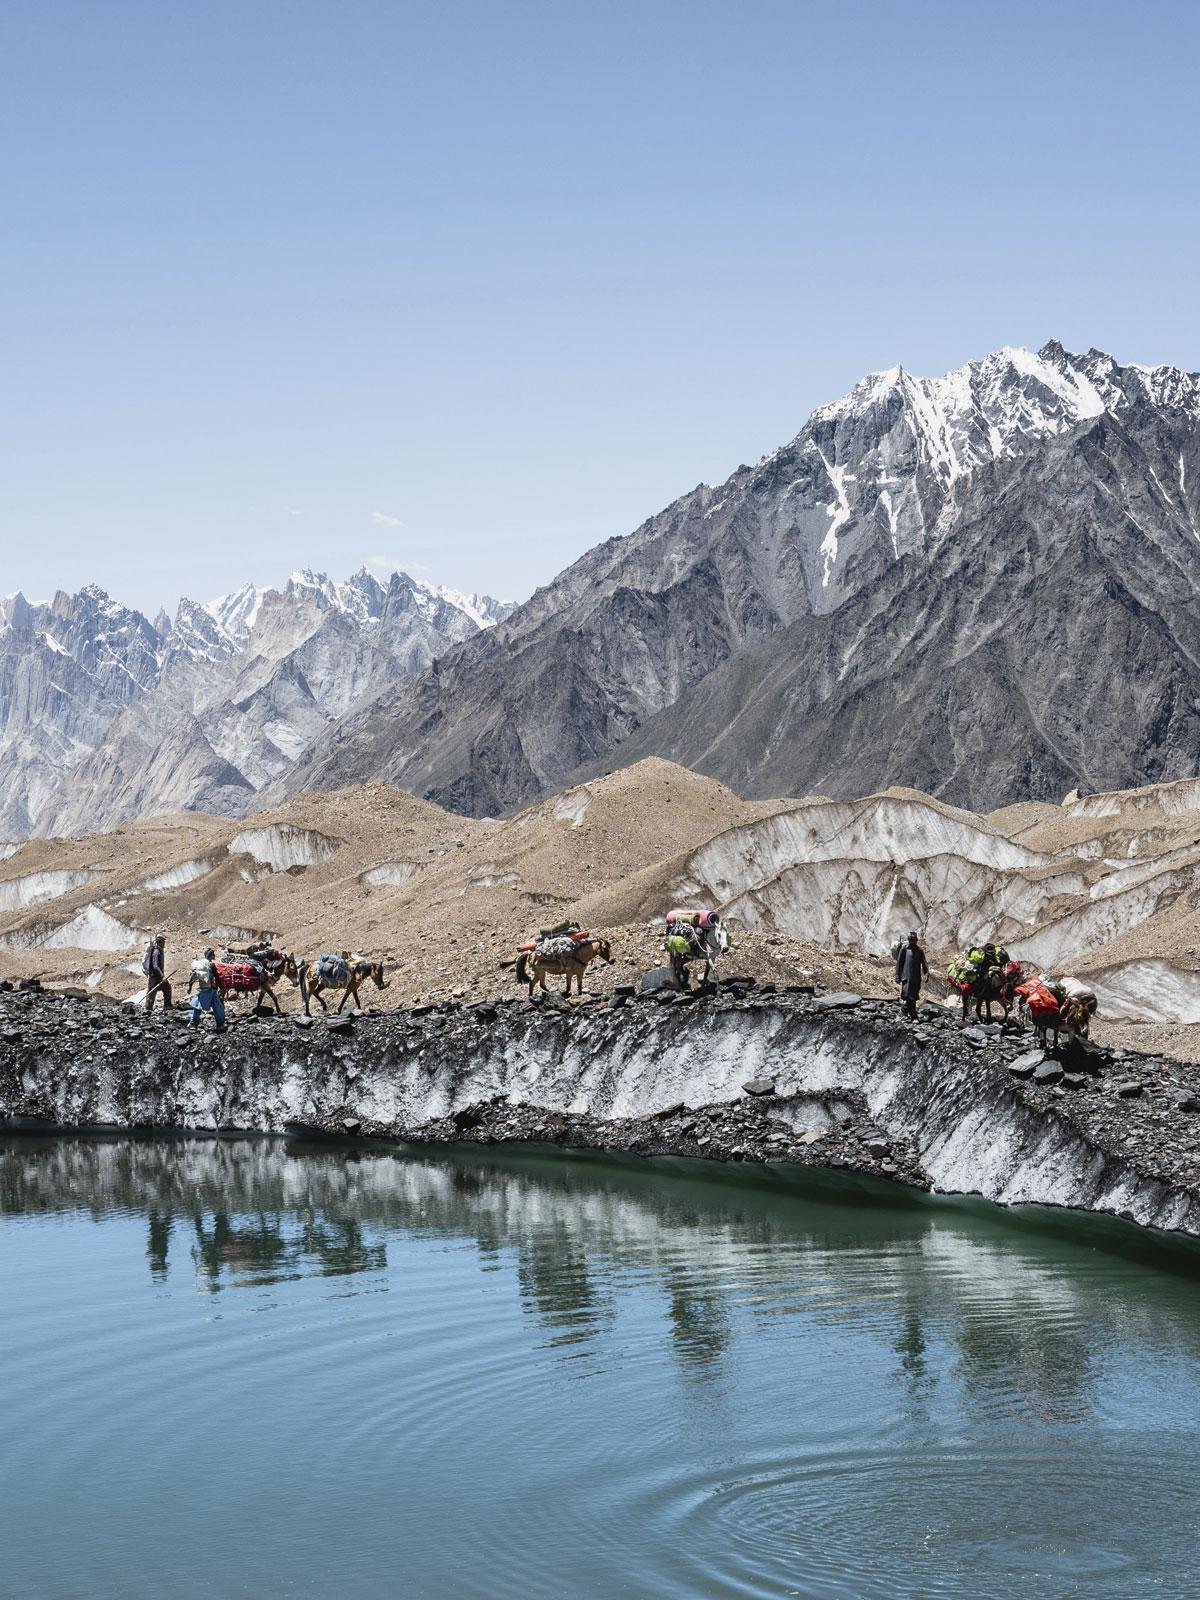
{"x":154,"y":966}
{"x":208,"y":994}
{"x":911,"y":967}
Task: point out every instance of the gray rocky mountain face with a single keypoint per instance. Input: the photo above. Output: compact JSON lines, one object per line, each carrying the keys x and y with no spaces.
{"x":105,"y":715}
{"x":981,"y":585}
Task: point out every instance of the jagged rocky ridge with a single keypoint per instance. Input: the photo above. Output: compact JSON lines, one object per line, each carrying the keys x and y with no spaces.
{"x":105,"y":715}
{"x":983,"y":586}
{"x":744,"y":1075}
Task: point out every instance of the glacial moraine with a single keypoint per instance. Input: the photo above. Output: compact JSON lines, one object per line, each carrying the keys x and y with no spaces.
{"x":752,"y":1075}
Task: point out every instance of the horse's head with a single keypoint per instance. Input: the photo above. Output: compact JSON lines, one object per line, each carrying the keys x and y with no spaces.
{"x":290,"y":968}
{"x":375,"y":973}
{"x":604,"y":950}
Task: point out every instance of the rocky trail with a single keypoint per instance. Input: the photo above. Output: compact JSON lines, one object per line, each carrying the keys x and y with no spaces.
{"x":753,"y":1073}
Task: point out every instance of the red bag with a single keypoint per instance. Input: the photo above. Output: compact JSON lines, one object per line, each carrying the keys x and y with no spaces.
{"x":1043,"y":1007}
{"x":238,"y":975}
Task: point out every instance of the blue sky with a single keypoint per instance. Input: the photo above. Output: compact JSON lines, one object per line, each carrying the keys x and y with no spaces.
{"x":469,"y":287}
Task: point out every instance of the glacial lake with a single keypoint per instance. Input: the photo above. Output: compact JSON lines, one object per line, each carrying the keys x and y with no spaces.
{"x":259,"y":1368}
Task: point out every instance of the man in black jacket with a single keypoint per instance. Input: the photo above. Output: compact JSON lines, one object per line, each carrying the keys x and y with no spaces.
{"x":911,"y":967}
{"x":154,"y":966}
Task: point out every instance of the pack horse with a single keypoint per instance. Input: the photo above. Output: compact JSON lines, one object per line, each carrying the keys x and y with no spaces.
{"x":694,"y":936}
{"x":344,"y":972}
{"x":567,"y":952}
{"x":256,"y":972}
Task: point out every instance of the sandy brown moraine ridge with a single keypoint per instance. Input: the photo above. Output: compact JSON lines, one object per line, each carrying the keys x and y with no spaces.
{"x":1107,"y":886}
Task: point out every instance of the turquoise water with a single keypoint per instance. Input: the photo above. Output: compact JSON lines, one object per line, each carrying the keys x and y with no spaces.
{"x":254,"y":1368}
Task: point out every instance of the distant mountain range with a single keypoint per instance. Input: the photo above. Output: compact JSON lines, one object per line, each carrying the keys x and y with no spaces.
{"x":983,"y":585}
{"x":105,"y":715}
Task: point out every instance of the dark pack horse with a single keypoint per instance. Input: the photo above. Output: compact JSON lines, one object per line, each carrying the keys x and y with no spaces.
{"x":313,"y":980}
{"x":257,"y":975}
{"x":993,"y":986}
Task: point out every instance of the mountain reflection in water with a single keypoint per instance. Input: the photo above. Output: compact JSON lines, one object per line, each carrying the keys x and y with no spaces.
{"x":693,"y":1383}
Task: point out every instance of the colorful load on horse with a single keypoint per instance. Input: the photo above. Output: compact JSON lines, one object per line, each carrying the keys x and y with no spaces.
{"x":694,"y":936}
{"x":1053,"y":1002}
{"x":972,"y":963}
{"x":244,"y":970}
{"x":333,"y":968}
{"x":1040,"y":1000}
{"x":243,"y":977}
{"x":567,"y":950}
{"x":694,"y":919}
{"x":553,"y":944}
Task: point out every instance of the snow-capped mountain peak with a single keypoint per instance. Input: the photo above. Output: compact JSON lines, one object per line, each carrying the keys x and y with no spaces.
{"x":895,"y":454}
{"x":483,"y":611}
{"x":236,"y":613}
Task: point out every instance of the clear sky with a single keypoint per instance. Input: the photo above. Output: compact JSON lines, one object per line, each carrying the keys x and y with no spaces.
{"x":467,"y":287}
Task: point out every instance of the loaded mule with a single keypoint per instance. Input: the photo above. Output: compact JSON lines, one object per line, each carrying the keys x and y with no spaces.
{"x":566,"y":955}
{"x":347,"y":973}
{"x":256,"y":972}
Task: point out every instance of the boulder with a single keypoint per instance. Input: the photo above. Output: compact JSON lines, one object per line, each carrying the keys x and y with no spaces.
{"x":1049,"y":1072}
{"x":1129,"y":1089}
{"x":656,"y":981}
{"x":839,"y":1000}
{"x":760,"y":1086}
{"x":1025,"y":1066}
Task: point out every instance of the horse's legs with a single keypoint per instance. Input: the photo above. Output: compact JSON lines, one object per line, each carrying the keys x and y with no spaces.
{"x":319,"y":997}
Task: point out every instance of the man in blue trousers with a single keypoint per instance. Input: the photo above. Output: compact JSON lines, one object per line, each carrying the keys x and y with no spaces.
{"x":208,"y":994}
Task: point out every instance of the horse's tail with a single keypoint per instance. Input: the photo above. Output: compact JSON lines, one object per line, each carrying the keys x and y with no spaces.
{"x":522,"y":963}
{"x":302,"y":979}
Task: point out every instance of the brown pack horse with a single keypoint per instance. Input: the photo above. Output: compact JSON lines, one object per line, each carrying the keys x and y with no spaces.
{"x":357,"y":973}
{"x":532,"y":968}
{"x":1074,"y":1020}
